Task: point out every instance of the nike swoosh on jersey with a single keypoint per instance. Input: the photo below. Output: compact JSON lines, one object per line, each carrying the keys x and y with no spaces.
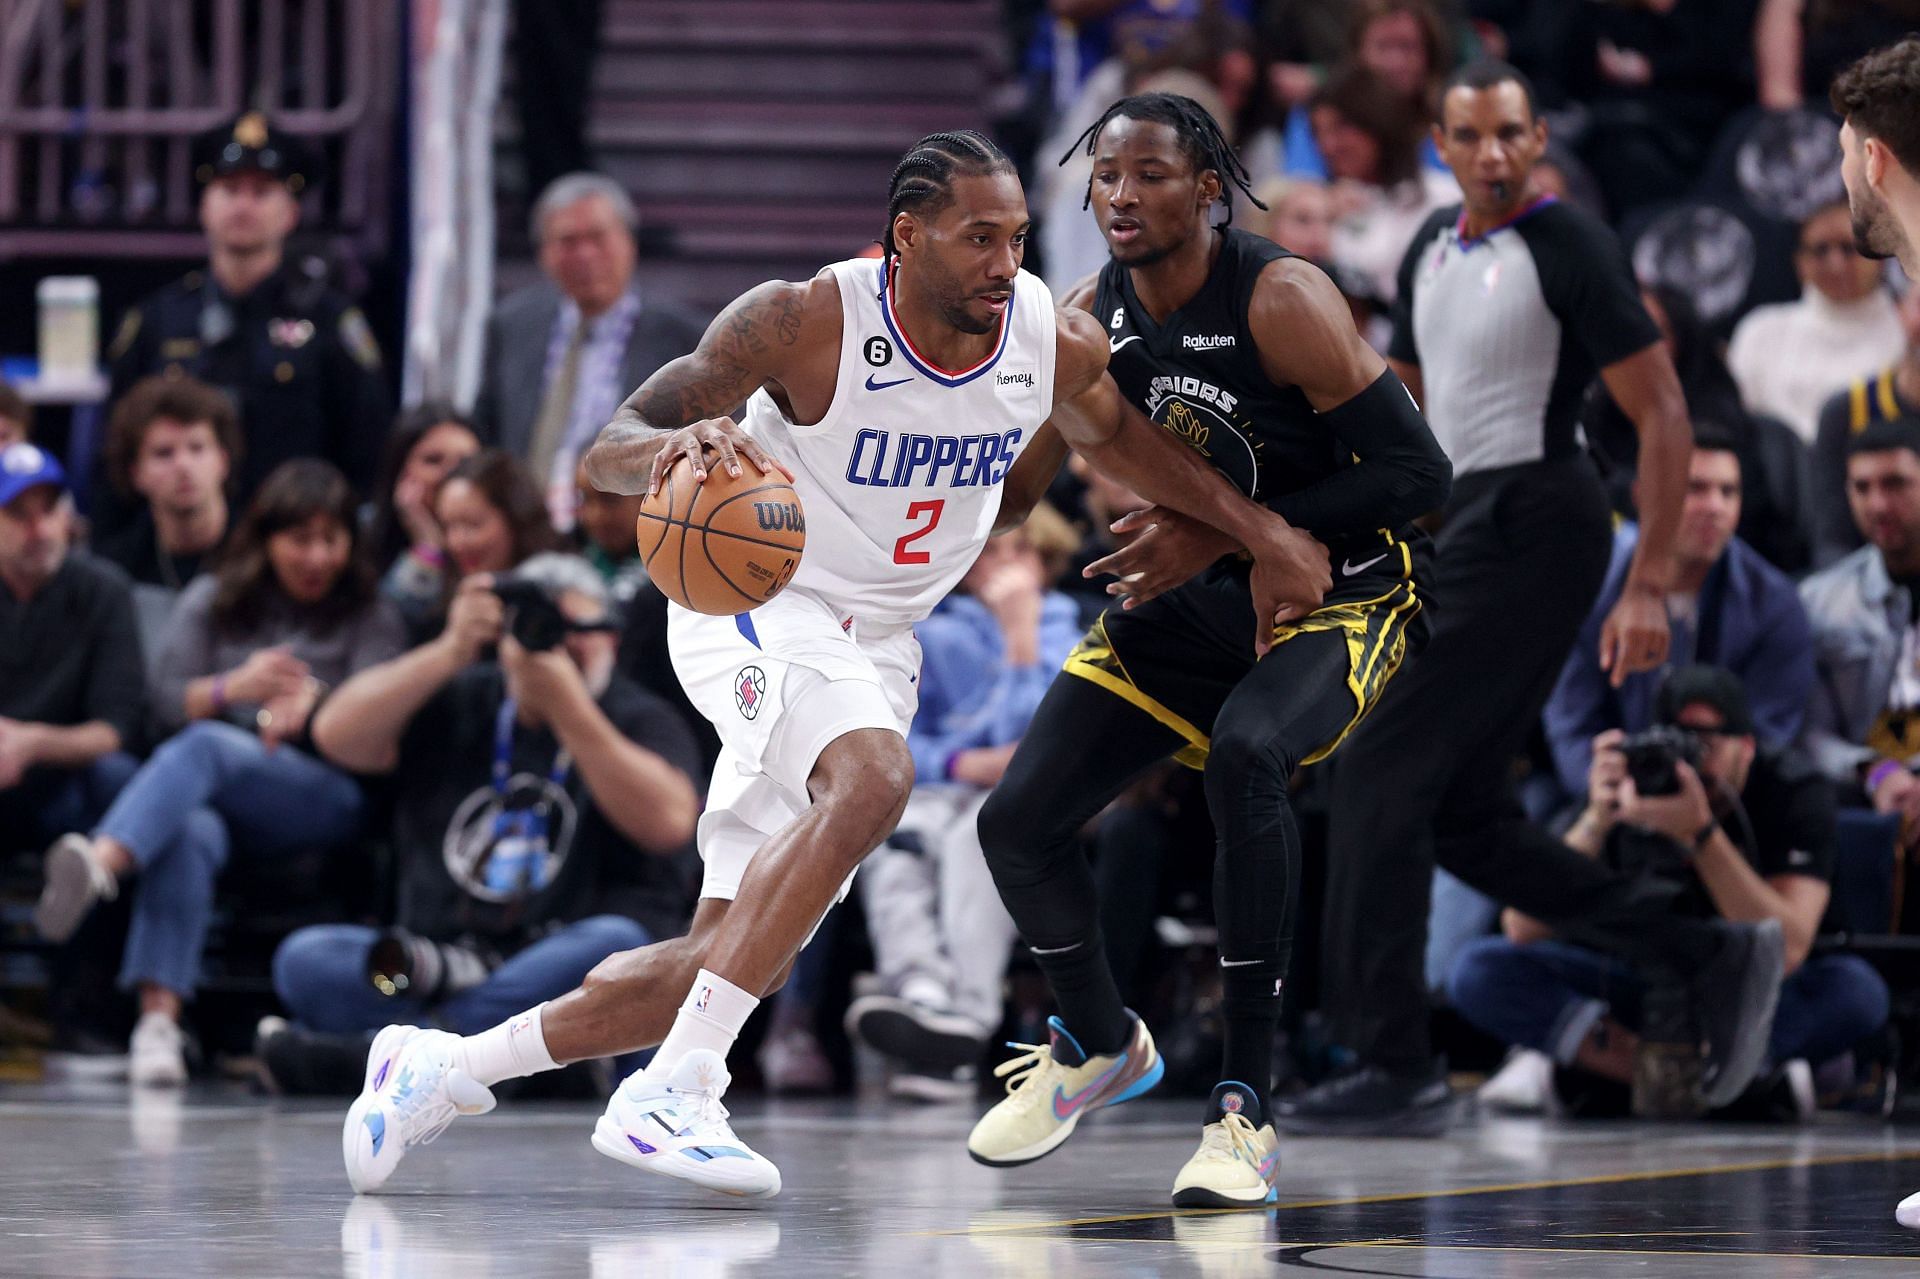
{"x":881,"y":386}
{"x":1114,"y":344}
{"x":1349,"y":568}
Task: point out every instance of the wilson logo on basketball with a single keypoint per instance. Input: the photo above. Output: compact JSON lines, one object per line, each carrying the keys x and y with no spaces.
{"x":780,"y":517}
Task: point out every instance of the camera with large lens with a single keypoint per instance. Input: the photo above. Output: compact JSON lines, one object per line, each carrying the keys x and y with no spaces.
{"x":401,"y":963}
{"x":534,"y":620}
{"x":1653,"y":756}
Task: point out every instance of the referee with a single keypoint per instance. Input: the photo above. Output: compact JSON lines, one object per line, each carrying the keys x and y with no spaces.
{"x":1506,"y":308}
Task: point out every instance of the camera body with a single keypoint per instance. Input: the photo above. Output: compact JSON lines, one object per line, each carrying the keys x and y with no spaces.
{"x":534,"y":619}
{"x":1652,"y":757}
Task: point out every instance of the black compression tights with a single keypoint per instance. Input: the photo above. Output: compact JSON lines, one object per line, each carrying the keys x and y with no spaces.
{"x":1084,"y":746}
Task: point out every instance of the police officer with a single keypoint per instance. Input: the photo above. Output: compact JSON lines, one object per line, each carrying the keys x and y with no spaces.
{"x":298,"y":358}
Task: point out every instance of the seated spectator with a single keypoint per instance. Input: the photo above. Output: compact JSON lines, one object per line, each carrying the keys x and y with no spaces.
{"x":426,"y":443}
{"x":1775,"y":516}
{"x":1727,"y":608}
{"x":1865,"y":609}
{"x":171,"y":443}
{"x":72,"y":692}
{"x":561,"y":355}
{"x":1790,"y":356}
{"x":1406,"y":45}
{"x":250,"y":652}
{"x":491,"y":517}
{"x":16,"y":417}
{"x":1381,"y":193}
{"x":605,"y":525}
{"x":1299,"y":217}
{"x":941,"y":938}
{"x":1747,"y":836}
{"x":543,"y":816}
{"x":1892,"y":395}
{"x":1105,"y":501}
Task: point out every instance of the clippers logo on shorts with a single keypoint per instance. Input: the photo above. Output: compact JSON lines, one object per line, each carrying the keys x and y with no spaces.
{"x":749,"y":691}
{"x":1233,"y":1103}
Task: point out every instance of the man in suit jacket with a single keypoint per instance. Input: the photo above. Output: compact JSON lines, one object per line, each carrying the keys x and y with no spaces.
{"x":562,"y":354}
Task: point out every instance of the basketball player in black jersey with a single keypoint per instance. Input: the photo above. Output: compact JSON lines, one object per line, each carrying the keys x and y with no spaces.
{"x":1249,"y":355}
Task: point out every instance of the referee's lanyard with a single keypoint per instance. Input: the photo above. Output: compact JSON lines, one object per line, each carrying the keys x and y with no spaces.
{"x":521,"y":860}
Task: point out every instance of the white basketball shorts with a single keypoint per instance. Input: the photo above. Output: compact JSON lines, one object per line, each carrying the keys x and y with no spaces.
{"x":779,"y":684}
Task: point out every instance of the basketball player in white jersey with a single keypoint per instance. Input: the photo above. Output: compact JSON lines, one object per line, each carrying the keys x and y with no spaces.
{"x":910,"y":400}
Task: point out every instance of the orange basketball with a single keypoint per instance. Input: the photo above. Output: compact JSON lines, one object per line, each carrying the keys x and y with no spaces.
{"x":725,"y":546}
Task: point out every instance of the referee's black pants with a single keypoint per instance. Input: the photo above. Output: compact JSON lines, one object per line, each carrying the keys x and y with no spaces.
{"x":1426,"y":777}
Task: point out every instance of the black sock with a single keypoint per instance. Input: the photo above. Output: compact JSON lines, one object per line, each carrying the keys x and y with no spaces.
{"x":1250,"y":1007}
{"x":1082,"y":982}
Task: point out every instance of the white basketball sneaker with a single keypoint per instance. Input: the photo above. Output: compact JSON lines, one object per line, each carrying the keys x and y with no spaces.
{"x":678,"y":1127}
{"x":413,"y":1092}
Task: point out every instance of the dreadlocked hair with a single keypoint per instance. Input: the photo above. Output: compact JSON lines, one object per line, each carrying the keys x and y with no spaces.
{"x":922,"y":182}
{"x":1201,"y":140}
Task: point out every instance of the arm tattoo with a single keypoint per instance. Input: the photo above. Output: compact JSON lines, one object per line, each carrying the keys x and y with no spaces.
{"x":731,"y":362}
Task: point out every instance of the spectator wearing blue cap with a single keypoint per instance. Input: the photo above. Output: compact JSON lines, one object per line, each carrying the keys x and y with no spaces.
{"x":72,"y":692}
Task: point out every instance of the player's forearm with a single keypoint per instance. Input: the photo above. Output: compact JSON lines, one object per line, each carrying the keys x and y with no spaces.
{"x":1666,"y":445}
{"x":1167,"y":473}
{"x":1401,"y":472}
{"x":621,"y":458}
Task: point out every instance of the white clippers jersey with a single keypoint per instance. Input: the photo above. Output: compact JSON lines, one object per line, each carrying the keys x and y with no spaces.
{"x":900,"y":480}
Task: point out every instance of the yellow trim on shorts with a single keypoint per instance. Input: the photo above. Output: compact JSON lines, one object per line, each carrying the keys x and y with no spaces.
{"x":1094,"y":660}
{"x":1857,"y":406}
{"x":1888,"y":405}
{"x":1372,"y":660}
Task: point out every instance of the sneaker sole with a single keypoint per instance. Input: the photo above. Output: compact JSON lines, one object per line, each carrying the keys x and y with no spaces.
{"x":611,"y":1142}
{"x":1760,"y":992}
{"x":1053,"y":1140}
{"x":68,"y":894}
{"x":1201,"y":1197}
{"x":885,"y":1024}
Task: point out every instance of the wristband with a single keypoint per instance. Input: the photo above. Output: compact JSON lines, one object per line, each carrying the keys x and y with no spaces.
{"x":219,"y":694}
{"x":430,"y":555}
{"x":1880,"y":772}
{"x":1705,"y":833}
{"x":952,"y":759}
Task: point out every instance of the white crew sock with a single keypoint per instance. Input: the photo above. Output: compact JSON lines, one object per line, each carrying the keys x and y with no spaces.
{"x":715,"y":1011}
{"x":515,"y":1048}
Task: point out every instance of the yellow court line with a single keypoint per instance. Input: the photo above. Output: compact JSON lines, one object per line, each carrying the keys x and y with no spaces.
{"x":1406,"y":1245}
{"x":1608,"y":1179}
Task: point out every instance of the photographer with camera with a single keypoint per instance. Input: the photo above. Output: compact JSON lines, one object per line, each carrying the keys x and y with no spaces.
{"x":1737,"y":830}
{"x":544,"y":808}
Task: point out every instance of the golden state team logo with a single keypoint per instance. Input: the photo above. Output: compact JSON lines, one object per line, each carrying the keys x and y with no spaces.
{"x":749,"y":691}
{"x":1203,"y":417}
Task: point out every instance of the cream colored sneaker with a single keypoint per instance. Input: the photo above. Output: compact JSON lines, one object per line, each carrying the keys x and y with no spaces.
{"x":157,"y":1054}
{"x":1050,"y":1086}
{"x":1238,"y":1159}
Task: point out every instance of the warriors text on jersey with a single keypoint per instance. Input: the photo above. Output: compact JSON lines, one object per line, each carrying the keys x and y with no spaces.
{"x":900,"y":481}
{"x":1199,"y":376}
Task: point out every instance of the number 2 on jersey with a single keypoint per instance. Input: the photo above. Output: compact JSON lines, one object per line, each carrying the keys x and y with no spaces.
{"x":901,"y":555}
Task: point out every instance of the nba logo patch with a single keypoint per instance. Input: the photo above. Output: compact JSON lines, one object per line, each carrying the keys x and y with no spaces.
{"x":1233,"y":1103}
{"x":700,"y":1000}
{"x":749,"y":691}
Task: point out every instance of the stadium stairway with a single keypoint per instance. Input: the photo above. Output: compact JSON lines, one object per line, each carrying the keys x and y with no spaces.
{"x":757,"y":136}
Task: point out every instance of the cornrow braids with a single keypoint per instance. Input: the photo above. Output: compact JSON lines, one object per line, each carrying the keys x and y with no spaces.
{"x":923,"y":180}
{"x":1204,"y":145}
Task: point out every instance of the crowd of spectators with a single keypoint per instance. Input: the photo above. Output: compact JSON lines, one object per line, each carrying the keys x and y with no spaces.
{"x":286,"y":629}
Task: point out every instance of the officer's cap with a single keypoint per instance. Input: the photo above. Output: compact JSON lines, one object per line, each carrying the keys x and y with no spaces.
{"x":250,"y":145}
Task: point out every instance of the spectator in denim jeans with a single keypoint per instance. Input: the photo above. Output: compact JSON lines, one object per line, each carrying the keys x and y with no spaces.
{"x":602,"y":771}
{"x":72,"y":692}
{"x":249,"y":653}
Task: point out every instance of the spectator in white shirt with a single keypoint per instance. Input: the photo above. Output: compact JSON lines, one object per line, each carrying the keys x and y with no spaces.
{"x":1789,"y":357}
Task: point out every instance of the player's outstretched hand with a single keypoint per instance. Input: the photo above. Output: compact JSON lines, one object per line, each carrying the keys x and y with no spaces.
{"x":1291,"y":575}
{"x":1162,"y":549}
{"x":713,"y":441}
{"x":1635,"y":635}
